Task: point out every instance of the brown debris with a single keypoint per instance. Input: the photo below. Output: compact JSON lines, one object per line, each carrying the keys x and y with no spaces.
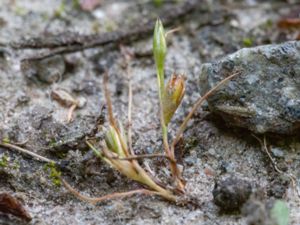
{"x":65,"y":99}
{"x":10,"y":205}
{"x":289,"y":23}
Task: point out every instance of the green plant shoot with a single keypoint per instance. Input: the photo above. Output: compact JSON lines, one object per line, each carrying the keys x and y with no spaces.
{"x":159,"y":52}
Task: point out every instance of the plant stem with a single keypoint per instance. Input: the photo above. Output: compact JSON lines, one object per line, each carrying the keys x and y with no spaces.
{"x":170,"y":153}
{"x":143,"y":156}
{"x":129,"y":136}
{"x":160,"y":80}
{"x":106,"y":197}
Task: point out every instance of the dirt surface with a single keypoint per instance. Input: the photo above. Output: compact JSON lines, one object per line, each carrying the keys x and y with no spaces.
{"x":30,"y":116}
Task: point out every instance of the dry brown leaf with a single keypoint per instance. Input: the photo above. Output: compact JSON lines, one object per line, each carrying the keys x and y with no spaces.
{"x":289,"y":23}
{"x":10,"y":205}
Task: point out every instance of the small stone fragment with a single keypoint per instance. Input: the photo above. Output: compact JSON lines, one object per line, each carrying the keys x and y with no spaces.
{"x":231,"y":193}
{"x":63,"y":97}
{"x":39,"y":114}
{"x":47,"y":70}
{"x":81,"y":102}
{"x":89,"y":87}
{"x":265,"y":97}
{"x":277,"y":152}
{"x":256,"y":213}
{"x":23,"y":98}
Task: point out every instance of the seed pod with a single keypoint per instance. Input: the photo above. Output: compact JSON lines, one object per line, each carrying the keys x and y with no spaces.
{"x":172,"y":96}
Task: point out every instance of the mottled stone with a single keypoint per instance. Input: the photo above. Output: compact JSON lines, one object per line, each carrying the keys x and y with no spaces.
{"x":47,"y":70}
{"x":231,"y":193}
{"x":265,"y":97}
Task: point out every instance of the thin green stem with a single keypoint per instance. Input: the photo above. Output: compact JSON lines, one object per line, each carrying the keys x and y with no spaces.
{"x":160,"y":79}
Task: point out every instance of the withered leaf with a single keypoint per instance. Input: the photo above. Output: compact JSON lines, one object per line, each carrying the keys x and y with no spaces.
{"x":289,"y":23}
{"x":10,"y":205}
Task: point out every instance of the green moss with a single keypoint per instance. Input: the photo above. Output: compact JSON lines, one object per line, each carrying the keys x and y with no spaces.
{"x":158,"y":3}
{"x":60,"y":10}
{"x":53,"y":143}
{"x":16,"y":164}
{"x":54,"y":175}
{"x":4,"y":161}
{"x":6,"y":140}
{"x":247,"y":42}
{"x":61,"y":155}
{"x":76,"y":4}
{"x":267,"y":25}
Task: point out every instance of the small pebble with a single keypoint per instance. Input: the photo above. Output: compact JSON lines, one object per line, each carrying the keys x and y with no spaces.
{"x":277,"y":152}
{"x":47,"y":70}
{"x":231,"y":193}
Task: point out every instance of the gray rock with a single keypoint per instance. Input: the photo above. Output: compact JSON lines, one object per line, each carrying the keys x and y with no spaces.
{"x":265,"y":97}
{"x":42,"y":131}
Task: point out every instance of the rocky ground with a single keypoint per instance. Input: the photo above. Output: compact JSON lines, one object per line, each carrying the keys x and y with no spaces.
{"x":222,"y":164}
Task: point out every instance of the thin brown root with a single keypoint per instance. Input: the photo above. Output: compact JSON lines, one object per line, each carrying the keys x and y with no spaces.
{"x":107,"y":197}
{"x":70,"y":112}
{"x":27,"y":152}
{"x":195,"y":107}
{"x":294,"y":184}
{"x":266,"y":150}
{"x":265,"y":147}
{"x":172,"y":31}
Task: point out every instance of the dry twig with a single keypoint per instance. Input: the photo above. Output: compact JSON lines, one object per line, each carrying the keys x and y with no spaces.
{"x":27,"y":152}
{"x":72,"y":42}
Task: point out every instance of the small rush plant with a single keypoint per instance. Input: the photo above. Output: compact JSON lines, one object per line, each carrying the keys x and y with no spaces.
{"x":116,"y":149}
